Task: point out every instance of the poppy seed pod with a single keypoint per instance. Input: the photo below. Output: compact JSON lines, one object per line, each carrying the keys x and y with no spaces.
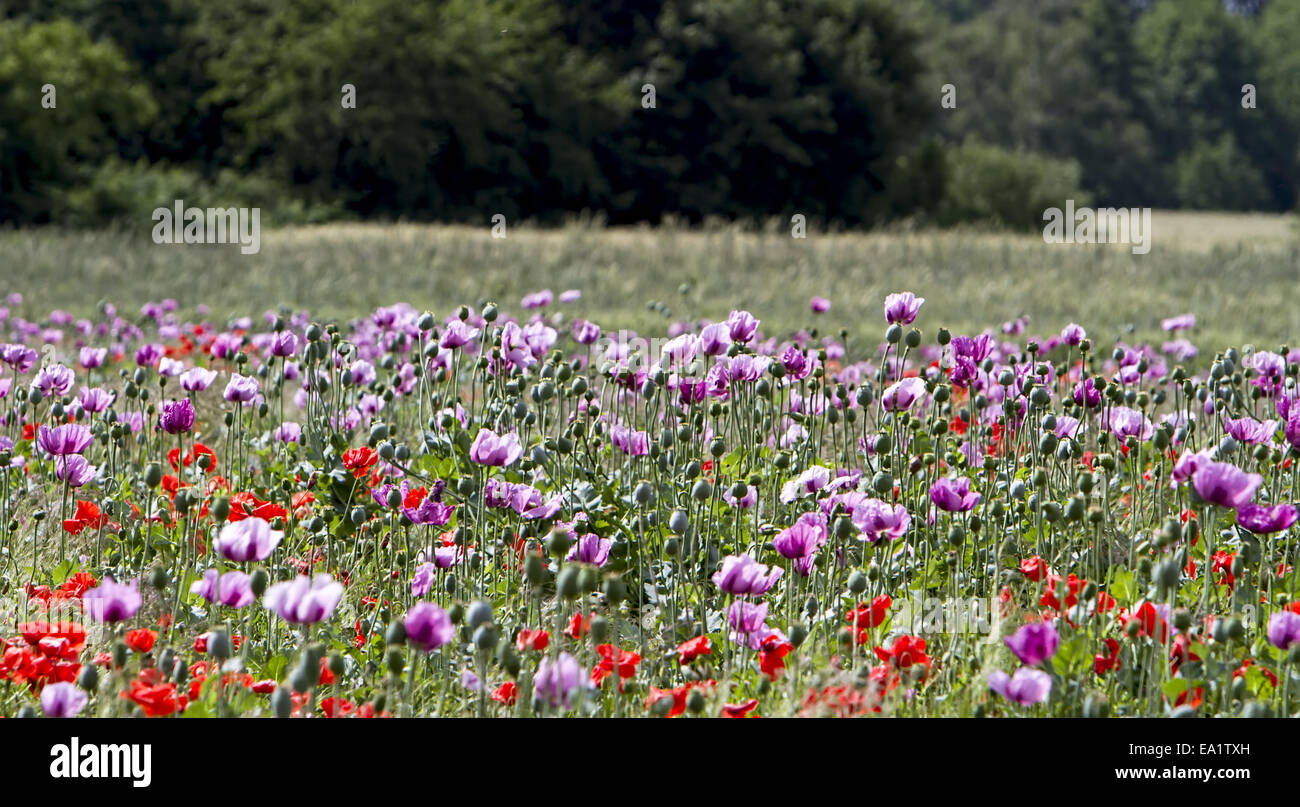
{"x":678,"y":522}
{"x":479,"y":613}
{"x":567,"y":585}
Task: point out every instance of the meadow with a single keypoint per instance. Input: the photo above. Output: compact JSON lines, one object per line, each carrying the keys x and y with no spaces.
{"x":410,"y":471}
{"x":1237,"y":271}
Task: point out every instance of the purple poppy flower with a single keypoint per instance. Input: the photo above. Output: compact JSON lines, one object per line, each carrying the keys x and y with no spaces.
{"x":570,"y":296}
{"x":1269,"y":365}
{"x":1225,"y":484}
{"x":70,"y":438}
{"x":819,"y":305}
{"x":900,"y":396}
{"x":247,"y":540}
{"x":287,"y":432}
{"x":742,"y":326}
{"x":241,"y":388}
{"x":590,"y":548}
{"x":92,"y":357}
{"x":715,"y":339}
{"x":1026,"y":688}
{"x":539,"y":299}
{"x":1086,"y":394}
{"x":1179,"y":323}
{"x":197,"y":379}
{"x":74,"y":469}
{"x":632,"y":443}
{"x":1073,"y":335}
{"x":284,"y":343}
{"x":1188,"y":464}
{"x":148,"y":354}
{"x":1034,"y":643}
{"x":902,"y":308}
{"x":954,"y":495}
{"x":113,"y":602}
{"x":795,"y":362}
{"x":54,"y":380}
{"x":177,"y":416}
{"x":967,"y":354}
{"x":304,"y":600}
{"x":585,"y":332}
{"x":801,"y":541}
{"x":810,"y":481}
{"x":741,"y":575}
{"x":457,"y":334}
{"x":20,"y":357}
{"x":559,"y":679}
{"x":1284,"y":629}
{"x":499,"y":451}
{"x":1124,"y":422}
{"x":1250,"y":431}
{"x":95,"y":400}
{"x":877,"y":520}
{"x":63,"y":699}
{"x":1264,"y":520}
{"x":428,"y":627}
{"x":233,"y":589}
{"x":748,"y":623}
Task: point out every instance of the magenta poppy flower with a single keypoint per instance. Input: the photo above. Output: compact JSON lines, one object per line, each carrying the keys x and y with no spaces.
{"x":1179,"y":323}
{"x":54,"y":380}
{"x":70,"y":438}
{"x":877,"y":520}
{"x":1264,"y":520}
{"x":177,"y":416}
{"x":113,"y":602}
{"x":241,"y":388}
{"x":1284,"y":629}
{"x":1086,"y":394}
{"x":900,"y":396}
{"x":233,"y":588}
{"x":92,"y":357}
{"x":1026,"y":688}
{"x":748,"y":623}
{"x":495,"y":450}
{"x":197,"y":379}
{"x":95,"y":400}
{"x":742,"y":326}
{"x":559,"y":679}
{"x":74,"y":469}
{"x":1250,"y":431}
{"x":742,"y":575}
{"x":1034,"y":643}
{"x":63,"y":699}
{"x":715,"y":339}
{"x":902,"y":308}
{"x":1225,"y":484}
{"x":284,"y":343}
{"x":247,"y":540}
{"x":801,"y":541}
{"x":304,"y":600}
{"x":1073,"y":335}
{"x":428,"y":627}
{"x":539,"y":299}
{"x":819,"y":305}
{"x":1124,"y":422}
{"x":1188,"y":464}
{"x":954,"y":495}
{"x":590,"y":548}
{"x":457,"y":334}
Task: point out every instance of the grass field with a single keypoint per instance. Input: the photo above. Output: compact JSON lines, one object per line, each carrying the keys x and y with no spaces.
{"x":1238,"y":273}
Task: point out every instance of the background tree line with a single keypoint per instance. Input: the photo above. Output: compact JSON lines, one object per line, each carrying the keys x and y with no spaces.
{"x":534,"y":108}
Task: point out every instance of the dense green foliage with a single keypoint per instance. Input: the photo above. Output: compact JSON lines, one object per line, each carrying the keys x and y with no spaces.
{"x":542,"y":109}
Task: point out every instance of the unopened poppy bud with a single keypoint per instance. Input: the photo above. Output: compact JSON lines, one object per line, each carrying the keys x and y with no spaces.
{"x":695,"y":701}
{"x":89,"y":678}
{"x":798,"y":632}
{"x":153,"y":474}
{"x":395,"y":662}
{"x":220,"y":509}
{"x":158,"y":578}
{"x":258,"y":581}
{"x":1132,"y":628}
{"x":857,"y":582}
{"x":479,"y":613}
{"x":567,"y":584}
{"x":119,"y":654}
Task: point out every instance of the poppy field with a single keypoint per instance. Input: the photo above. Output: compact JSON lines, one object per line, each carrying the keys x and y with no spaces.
{"x":517,"y":509}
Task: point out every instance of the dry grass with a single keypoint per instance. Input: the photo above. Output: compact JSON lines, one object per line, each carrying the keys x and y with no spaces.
{"x":1238,"y":273}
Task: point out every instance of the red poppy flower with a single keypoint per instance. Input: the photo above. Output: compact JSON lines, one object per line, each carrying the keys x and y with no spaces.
{"x":740,"y":709}
{"x":905,"y":652}
{"x":243,"y":505}
{"x":692,"y":649}
{"x":1033,"y":568}
{"x":771,"y":655}
{"x":532,"y":640}
{"x":1240,"y":672}
{"x":199,"y":450}
{"x":611,"y":659}
{"x":87,"y":515}
{"x":507,"y":693}
{"x":141,"y":641}
{"x":156,"y":701}
{"x":870,"y":615}
{"x":578,"y":626}
{"x":1108,"y":659}
{"x":359,"y":460}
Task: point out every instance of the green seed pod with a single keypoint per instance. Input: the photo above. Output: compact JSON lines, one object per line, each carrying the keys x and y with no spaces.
{"x":678,"y":522}
{"x":89,"y":677}
{"x":615,"y":590}
{"x":258,"y":581}
{"x":857,"y":582}
{"x":695,"y":701}
{"x":396,"y":633}
{"x":153,"y":475}
{"x":567,"y":584}
{"x":158,"y":578}
{"x":534,"y":569}
{"x":395,"y":661}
